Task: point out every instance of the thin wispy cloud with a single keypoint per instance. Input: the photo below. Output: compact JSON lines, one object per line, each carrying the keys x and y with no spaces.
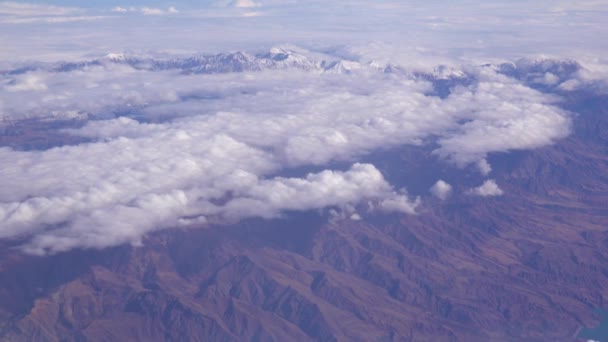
{"x":491,"y":30}
{"x":30,"y":9}
{"x":145,"y":10}
{"x":28,"y":13}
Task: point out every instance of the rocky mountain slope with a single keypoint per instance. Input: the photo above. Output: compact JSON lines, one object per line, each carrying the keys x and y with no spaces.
{"x":531,"y":265}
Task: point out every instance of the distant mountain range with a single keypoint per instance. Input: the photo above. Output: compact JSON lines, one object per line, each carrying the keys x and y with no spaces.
{"x":546,"y":75}
{"x":528,"y":70}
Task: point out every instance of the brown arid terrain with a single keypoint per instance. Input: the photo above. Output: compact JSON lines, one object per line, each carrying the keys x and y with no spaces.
{"x":531,"y":265}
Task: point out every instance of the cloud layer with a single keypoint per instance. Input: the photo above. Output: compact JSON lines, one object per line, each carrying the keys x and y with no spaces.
{"x":435,"y":30}
{"x":211,"y":147}
{"x":168,"y":146}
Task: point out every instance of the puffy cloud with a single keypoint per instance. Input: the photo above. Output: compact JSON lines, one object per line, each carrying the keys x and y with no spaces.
{"x":441,"y":189}
{"x":320,"y":190}
{"x":141,"y":177}
{"x":592,"y":76}
{"x":317,"y":117}
{"x":398,"y":203}
{"x":124,"y":208}
{"x":488,"y":188}
{"x":525,"y":118}
{"x":201,"y":152}
{"x":193,"y":152}
{"x":355,"y":217}
{"x":484,"y":167}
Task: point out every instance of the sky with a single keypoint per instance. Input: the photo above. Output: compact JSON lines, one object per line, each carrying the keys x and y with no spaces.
{"x":170,"y":147}
{"x":462,"y":29}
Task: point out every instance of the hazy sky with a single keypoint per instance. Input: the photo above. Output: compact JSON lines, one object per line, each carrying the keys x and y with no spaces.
{"x":463,"y":29}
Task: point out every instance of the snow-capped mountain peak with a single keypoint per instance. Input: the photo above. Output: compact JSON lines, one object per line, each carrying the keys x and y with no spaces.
{"x":115,"y":57}
{"x":342,"y":67}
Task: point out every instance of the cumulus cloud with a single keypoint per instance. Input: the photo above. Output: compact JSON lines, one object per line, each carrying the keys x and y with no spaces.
{"x":441,"y":189}
{"x":188,"y":152}
{"x":125,"y":207}
{"x":201,"y":152}
{"x":484,"y":167}
{"x":592,"y":76}
{"x":519,"y":121}
{"x":324,"y":189}
{"x":488,"y":188}
{"x":316,"y":117}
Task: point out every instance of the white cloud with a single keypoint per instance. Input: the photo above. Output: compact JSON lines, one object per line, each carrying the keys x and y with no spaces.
{"x":30,"y":9}
{"x":124,"y":207}
{"x":51,"y":20}
{"x":30,"y":82}
{"x":198,"y":155}
{"x":398,"y":203}
{"x":484,"y":167}
{"x":523,"y":119}
{"x":244,"y":4}
{"x":145,"y":10}
{"x":316,"y":117}
{"x":152,"y":11}
{"x":432,"y":30}
{"x":324,"y":189}
{"x":592,"y":76}
{"x":488,"y":188}
{"x":441,"y":189}
{"x":30,"y":13}
{"x":206,"y":154}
